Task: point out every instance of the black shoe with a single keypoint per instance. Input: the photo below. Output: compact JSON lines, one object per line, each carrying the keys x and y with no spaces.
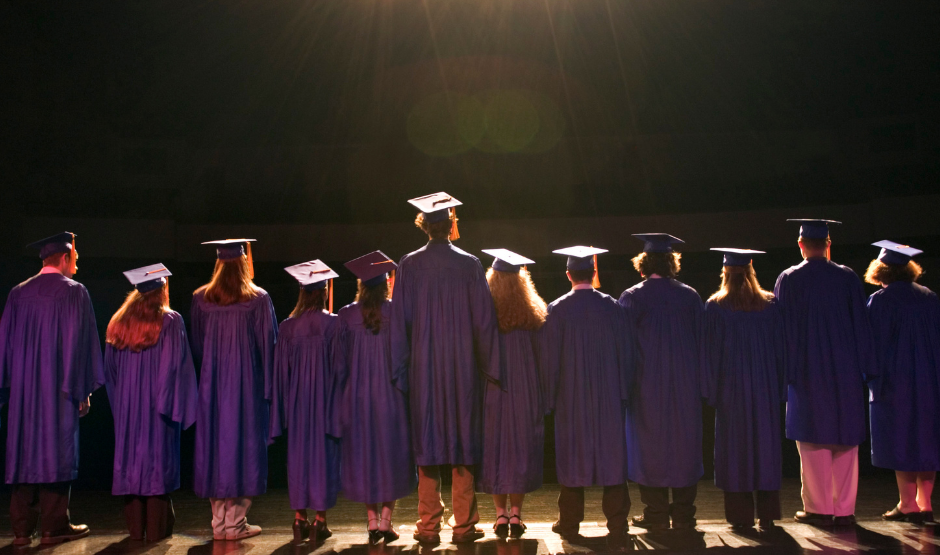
{"x":926,"y":516}
{"x":501,"y":529}
{"x":565,"y":532}
{"x":301,"y":529}
{"x":390,"y":535}
{"x":848,"y":520}
{"x":650,"y":524}
{"x":320,"y":530}
{"x":375,"y":537}
{"x":469,"y":536}
{"x":813,"y":519}
{"x":684,"y":524}
{"x":895,"y":515}
{"x":740,"y":527}
{"x":427,"y":539}
{"x":72,"y":532}
{"x":766,"y":525}
{"x":516,"y":530}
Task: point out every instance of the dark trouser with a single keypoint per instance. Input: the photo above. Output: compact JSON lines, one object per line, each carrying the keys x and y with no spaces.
{"x":153,"y":513}
{"x":658,"y":508}
{"x":616,"y":506}
{"x":29,"y":502}
{"x":739,"y":506}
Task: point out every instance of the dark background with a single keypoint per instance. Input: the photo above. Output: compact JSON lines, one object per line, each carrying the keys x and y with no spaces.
{"x":148,"y":127}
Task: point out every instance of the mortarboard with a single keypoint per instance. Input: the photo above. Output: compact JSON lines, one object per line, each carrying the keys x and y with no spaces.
{"x":814,"y":229}
{"x":435,"y":208}
{"x":737,"y":257}
{"x":60,"y":242}
{"x":583,"y":258}
{"x":657,"y":242}
{"x":148,"y":278}
{"x":313,"y":275}
{"x":507,"y":261}
{"x":896,"y":253}
{"x":227,"y":249}
{"x":372,"y":268}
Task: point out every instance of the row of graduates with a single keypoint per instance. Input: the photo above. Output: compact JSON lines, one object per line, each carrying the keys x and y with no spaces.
{"x":463,"y":365}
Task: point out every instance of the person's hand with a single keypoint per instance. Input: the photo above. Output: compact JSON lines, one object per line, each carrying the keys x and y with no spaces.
{"x":84,"y":407}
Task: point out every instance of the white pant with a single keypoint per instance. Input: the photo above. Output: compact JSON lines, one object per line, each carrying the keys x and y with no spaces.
{"x":830,"y":478}
{"x":229,"y":515}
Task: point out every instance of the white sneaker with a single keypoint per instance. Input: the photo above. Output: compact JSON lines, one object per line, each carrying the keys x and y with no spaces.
{"x":249,"y":531}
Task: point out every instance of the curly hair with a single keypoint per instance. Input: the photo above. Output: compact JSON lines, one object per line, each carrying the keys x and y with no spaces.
{"x":370,"y":301}
{"x":879,"y":273}
{"x":518,"y":304}
{"x":231,"y":283}
{"x":437,"y":230}
{"x":139,"y":321}
{"x":663,"y":264}
{"x":740,"y":291}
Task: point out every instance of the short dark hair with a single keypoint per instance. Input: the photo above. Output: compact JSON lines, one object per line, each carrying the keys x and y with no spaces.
{"x":664,"y":264}
{"x":816,"y":244}
{"x":436,"y":230}
{"x":879,"y":273}
{"x":55,"y":259}
{"x":580,"y":276}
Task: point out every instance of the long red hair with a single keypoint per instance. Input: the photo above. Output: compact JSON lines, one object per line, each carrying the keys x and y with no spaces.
{"x":518,"y":304}
{"x":139,"y":321}
{"x":231,"y":283}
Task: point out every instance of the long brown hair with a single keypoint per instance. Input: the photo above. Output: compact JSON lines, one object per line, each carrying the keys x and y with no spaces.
{"x":137,"y":324}
{"x":231,"y":283}
{"x":518,"y":304}
{"x":879,"y":273}
{"x":370,"y":301}
{"x":310,"y":300}
{"x":740,"y":290}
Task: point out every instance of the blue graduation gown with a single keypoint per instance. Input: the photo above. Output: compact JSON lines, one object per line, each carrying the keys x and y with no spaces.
{"x":153,"y":397}
{"x":305,"y":388}
{"x":444,"y":346}
{"x":745,"y":358}
{"x":234,"y":348}
{"x":905,"y":322}
{"x":514,"y":420}
{"x":378,"y":465}
{"x":829,"y":352}
{"x":50,"y":361}
{"x":587,"y":365}
{"x":664,"y":413}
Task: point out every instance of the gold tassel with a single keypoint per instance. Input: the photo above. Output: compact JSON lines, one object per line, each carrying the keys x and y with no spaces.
{"x":454,"y":234}
{"x":391,"y":283}
{"x":73,"y":258}
{"x":331,"y":295}
{"x":596,"y":282}
{"x":251,"y":262}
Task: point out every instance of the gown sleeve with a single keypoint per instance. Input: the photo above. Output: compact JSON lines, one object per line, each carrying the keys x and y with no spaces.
{"x":485,"y":332}
{"x":337,"y":381}
{"x":400,"y":327}
{"x":267,"y":339}
{"x":781,"y":291}
{"x":863,"y":332}
{"x":177,"y":391}
{"x":111,"y":379}
{"x":626,"y":351}
{"x":6,"y":344}
{"x":884,"y":329}
{"x":780,"y":351}
{"x":550,"y":359}
{"x":712,"y":349}
{"x":82,"y":365}
{"x":280,"y":385}
{"x":197,"y":326}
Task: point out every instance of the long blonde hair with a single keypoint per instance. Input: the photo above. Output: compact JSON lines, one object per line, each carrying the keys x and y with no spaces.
{"x":518,"y":304}
{"x":139,"y":321}
{"x":740,"y":290}
{"x":231,"y":283}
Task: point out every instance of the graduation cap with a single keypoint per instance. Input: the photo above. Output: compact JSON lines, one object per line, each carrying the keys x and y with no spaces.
{"x":313,"y":275}
{"x":814,"y":229}
{"x":657,"y":242}
{"x":436,"y":208}
{"x":60,"y":242}
{"x":148,"y":278}
{"x":896,"y":253}
{"x":372,"y":268}
{"x":228,"y":249}
{"x":507,"y":261}
{"x":583,"y":258}
{"x":737,"y":257}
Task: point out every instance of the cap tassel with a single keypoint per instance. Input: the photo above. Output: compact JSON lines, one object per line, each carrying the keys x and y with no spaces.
{"x":73,"y":259}
{"x":251,"y":261}
{"x":454,"y":233}
{"x":331,"y":296}
{"x":596,"y":282}
{"x":391,"y":283}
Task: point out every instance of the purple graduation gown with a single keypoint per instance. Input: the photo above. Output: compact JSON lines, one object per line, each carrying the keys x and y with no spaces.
{"x":905,"y":322}
{"x":664,"y":414}
{"x":153,"y":397}
{"x":745,"y":358}
{"x":234,"y":348}
{"x":587,"y":366}
{"x":444,"y":346}
{"x":378,"y":465}
{"x":305,"y":387}
{"x":50,"y":361}
{"x":514,"y":420}
{"x":829,"y":352}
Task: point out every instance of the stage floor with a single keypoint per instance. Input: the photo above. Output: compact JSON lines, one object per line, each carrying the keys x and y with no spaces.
{"x":103,"y":514}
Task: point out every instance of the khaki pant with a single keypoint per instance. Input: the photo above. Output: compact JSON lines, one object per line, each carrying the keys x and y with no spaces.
{"x":830,"y":478}
{"x":431,"y":506}
{"x":229,"y":516}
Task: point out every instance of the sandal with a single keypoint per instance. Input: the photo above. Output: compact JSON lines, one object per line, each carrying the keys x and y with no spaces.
{"x":501,"y":530}
{"x":375,"y":535}
{"x":390,"y":535}
{"x":516,"y":529}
